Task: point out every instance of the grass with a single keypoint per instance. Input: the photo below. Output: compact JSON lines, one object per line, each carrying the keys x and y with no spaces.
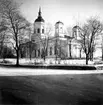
{"x":52,"y":90}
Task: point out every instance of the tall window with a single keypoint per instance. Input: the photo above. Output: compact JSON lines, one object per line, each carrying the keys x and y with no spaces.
{"x":61,"y":30}
{"x":38,"y":30}
{"x":34,"y":53}
{"x":43,"y":31}
{"x":39,"y":53}
{"x":55,"y":50}
{"x":46,"y":52}
{"x":50,"y":50}
{"x":42,"y":53}
{"x":34,"y":31}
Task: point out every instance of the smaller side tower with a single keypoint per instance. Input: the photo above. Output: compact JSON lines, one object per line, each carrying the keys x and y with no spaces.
{"x":61,"y":48}
{"x":76,"y":32}
{"x":59,"y":29}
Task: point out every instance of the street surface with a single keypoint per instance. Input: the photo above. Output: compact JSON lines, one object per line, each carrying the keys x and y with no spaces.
{"x":19,"y":86}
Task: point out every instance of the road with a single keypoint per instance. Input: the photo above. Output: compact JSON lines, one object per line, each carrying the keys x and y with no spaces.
{"x":50,"y":87}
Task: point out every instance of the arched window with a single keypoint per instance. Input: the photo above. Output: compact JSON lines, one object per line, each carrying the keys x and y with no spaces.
{"x":50,"y":50}
{"x":42,"y":53}
{"x":38,"y":52}
{"x":46,"y":52}
{"x":61,"y":30}
{"x":38,"y":30}
{"x":34,"y":53}
{"x":43,"y":31}
{"x":34,"y":31}
{"x":55,"y":50}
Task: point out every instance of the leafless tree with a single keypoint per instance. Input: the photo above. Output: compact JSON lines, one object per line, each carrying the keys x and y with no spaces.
{"x":3,"y":29}
{"x":95,"y":27}
{"x":88,"y":35}
{"x":85,"y":41}
{"x":9,"y":10}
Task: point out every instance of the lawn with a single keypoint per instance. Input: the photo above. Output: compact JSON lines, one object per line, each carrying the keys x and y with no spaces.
{"x":81,"y":89}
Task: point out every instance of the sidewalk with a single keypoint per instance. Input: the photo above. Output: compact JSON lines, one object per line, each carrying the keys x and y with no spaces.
{"x":28,"y":71}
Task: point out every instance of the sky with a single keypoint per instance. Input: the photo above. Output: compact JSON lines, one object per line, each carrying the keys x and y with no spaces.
{"x":70,"y":12}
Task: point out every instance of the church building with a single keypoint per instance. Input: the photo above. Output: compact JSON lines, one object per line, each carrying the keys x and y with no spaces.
{"x":57,"y":46}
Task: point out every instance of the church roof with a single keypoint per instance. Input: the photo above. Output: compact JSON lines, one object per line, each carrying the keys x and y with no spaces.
{"x":39,"y":19}
{"x":59,"y":22}
{"x":75,"y":26}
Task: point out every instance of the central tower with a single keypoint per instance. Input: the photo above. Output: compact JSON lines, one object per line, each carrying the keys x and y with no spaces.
{"x":59,"y":29}
{"x":39,"y":27}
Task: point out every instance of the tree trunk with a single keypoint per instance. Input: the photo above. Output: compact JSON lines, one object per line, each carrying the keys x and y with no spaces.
{"x":102,"y":53}
{"x":17,"y":58}
{"x":80,"y":53}
{"x":87,"y":58}
{"x":91,"y":55}
{"x":44,"y":55}
{"x":1,"y":50}
{"x":44,"y":58}
{"x":30,"y":54}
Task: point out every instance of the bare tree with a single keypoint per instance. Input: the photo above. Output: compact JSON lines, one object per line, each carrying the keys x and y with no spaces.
{"x":85,"y":41}
{"x":3,"y":29}
{"x":9,"y":10}
{"x":88,"y":35}
{"x":95,"y":27}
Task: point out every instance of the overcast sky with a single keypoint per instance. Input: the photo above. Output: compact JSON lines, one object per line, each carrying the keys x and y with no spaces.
{"x":70,"y":12}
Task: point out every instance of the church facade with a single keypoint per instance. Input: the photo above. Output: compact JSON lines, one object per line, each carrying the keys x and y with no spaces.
{"x":57,"y":46}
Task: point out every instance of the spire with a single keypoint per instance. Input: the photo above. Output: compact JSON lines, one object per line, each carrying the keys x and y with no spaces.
{"x":39,"y":13}
{"x":39,"y":18}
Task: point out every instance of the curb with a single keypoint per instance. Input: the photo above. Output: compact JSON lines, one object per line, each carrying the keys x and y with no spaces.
{"x":60,"y":67}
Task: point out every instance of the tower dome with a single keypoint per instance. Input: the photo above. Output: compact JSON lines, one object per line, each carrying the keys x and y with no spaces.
{"x":59,"y":22}
{"x":76,"y":32}
{"x":39,"y":19}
